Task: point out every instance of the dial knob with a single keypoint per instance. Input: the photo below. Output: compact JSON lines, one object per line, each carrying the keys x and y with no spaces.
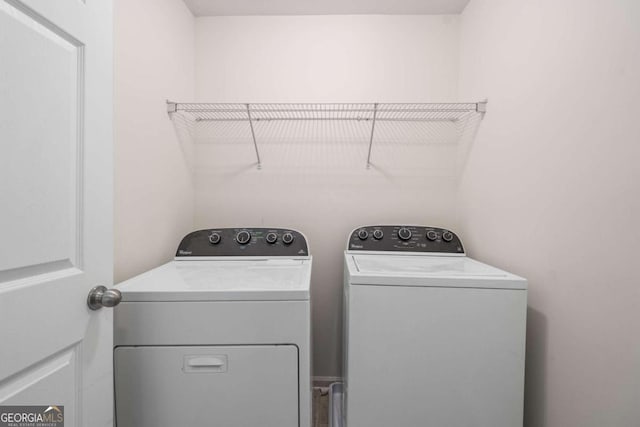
{"x":243,"y":237}
{"x":404,"y":233}
{"x":214,"y":238}
{"x":432,"y":235}
{"x":271,"y":238}
{"x":363,"y":234}
{"x":287,"y":238}
{"x":447,"y":236}
{"x":378,"y":234}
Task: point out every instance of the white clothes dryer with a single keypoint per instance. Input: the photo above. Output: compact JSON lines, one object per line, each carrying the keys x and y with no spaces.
{"x":432,"y":337}
{"x":218,"y":336}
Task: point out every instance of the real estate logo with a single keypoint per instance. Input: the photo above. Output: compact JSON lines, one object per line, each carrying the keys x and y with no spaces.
{"x":32,"y":416}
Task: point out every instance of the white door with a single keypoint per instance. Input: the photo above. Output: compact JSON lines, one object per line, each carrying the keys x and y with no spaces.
{"x":56,"y":206}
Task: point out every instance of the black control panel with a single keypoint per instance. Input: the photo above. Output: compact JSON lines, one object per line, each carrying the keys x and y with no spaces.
{"x":243,"y":242}
{"x":404,"y":238}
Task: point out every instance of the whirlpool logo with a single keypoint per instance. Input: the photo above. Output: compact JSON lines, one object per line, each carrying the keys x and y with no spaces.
{"x":32,"y":416}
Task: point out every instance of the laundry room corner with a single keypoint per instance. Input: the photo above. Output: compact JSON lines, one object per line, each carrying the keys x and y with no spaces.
{"x":154,"y":196}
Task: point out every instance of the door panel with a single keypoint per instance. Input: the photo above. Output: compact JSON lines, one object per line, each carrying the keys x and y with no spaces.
{"x":40,"y":157}
{"x":56,"y":217}
{"x":39,"y":384}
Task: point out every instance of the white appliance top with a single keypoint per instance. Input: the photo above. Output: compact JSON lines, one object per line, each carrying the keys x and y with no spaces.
{"x":222,"y":280}
{"x":418,"y":255}
{"x":389,"y":269}
{"x":229,"y":264}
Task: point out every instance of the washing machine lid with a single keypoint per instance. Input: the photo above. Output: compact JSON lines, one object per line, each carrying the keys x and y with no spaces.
{"x":425,"y":270}
{"x":222,"y":280}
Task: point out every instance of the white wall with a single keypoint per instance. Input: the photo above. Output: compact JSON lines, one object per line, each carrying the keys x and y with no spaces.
{"x":326,"y":58}
{"x":154,"y":60}
{"x":551,"y":192}
{"x":322,"y":187}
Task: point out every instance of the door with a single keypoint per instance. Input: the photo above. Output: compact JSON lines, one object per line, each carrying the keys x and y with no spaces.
{"x":56,"y":207}
{"x":230,"y":386}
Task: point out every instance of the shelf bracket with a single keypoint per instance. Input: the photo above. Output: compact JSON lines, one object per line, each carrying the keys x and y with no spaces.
{"x":481,"y":107}
{"x":253,"y":135}
{"x":373,"y":128}
{"x":172,"y":107}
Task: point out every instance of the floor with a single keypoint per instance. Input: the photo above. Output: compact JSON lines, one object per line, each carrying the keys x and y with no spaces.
{"x":320,"y":407}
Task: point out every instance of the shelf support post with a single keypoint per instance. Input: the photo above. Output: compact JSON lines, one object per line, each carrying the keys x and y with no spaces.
{"x":253,"y":135}
{"x":373,"y":127}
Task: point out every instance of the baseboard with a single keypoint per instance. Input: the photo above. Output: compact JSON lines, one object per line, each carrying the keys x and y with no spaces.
{"x":324,"y":381}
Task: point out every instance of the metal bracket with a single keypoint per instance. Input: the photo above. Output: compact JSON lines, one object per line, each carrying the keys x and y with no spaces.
{"x":253,"y":135}
{"x":373,"y":128}
{"x":481,"y":107}
{"x":172,"y":107}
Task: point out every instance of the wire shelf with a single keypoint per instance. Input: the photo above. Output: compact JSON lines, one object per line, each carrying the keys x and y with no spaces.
{"x":359,"y":123}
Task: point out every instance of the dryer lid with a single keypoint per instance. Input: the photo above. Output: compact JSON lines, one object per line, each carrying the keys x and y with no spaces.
{"x":228,"y":280}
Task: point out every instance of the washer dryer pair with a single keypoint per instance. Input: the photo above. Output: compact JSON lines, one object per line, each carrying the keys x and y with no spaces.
{"x":220,"y":336}
{"x":432,"y":337}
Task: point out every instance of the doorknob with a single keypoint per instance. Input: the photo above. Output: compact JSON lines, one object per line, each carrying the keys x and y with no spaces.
{"x":100,"y":297}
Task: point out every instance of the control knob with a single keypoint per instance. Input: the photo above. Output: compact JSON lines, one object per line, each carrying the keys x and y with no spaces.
{"x":432,"y":235}
{"x":214,"y":238}
{"x":287,"y":238}
{"x":378,"y":234}
{"x":404,"y":233}
{"x":243,"y":237}
{"x":363,"y":234}
{"x":447,"y":236}
{"x":271,"y":238}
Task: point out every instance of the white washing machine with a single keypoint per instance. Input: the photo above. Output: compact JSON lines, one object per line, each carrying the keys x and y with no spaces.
{"x":220,"y":336}
{"x":432,"y":337}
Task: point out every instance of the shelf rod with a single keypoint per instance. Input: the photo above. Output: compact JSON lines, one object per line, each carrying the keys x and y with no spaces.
{"x":373,"y":127}
{"x":318,"y":110}
{"x":253,"y":135}
{"x":339,"y":119}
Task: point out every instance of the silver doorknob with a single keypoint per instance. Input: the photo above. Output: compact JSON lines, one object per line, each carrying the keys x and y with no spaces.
{"x":100,"y":297}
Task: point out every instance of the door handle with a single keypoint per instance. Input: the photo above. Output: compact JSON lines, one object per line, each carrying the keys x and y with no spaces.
{"x":100,"y":297}
{"x":205,"y":362}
